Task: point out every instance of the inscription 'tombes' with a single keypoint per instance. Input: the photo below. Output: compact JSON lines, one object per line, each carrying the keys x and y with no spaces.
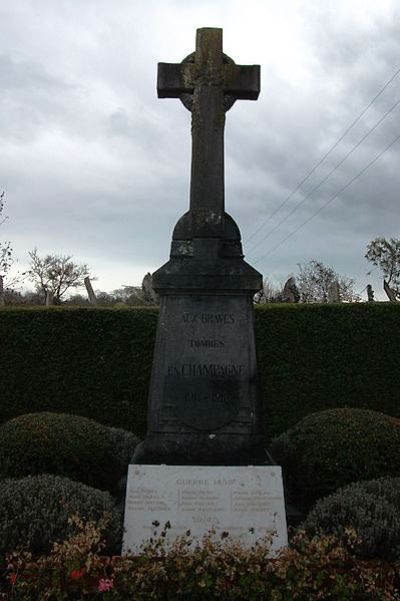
{"x":206,"y":343}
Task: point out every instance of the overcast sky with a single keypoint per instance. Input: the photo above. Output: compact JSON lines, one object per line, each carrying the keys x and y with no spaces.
{"x":94,"y":165}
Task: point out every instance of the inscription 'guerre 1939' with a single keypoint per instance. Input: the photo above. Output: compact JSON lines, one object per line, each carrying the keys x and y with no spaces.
{"x":203,"y":401}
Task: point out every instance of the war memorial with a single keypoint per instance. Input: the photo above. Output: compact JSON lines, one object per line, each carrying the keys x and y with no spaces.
{"x":202,"y":464}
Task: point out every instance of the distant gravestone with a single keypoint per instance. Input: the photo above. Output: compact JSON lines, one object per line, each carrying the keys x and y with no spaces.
{"x":49,"y":298}
{"x":334,"y":292}
{"x":90,"y":291}
{"x":204,"y":410}
{"x":290,"y":293}
{"x":150,"y":295}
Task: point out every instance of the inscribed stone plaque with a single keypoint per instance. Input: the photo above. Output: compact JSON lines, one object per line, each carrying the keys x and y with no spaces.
{"x":207,"y":372}
{"x":246,"y":501}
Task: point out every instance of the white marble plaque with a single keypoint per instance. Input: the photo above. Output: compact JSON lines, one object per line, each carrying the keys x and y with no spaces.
{"x":245,"y":501}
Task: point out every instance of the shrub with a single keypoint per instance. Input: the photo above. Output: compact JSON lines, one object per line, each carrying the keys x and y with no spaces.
{"x":317,"y":569}
{"x":66,"y":445}
{"x":372,"y":508}
{"x":92,"y":362}
{"x":333,"y":448}
{"x":34,"y":512}
{"x":123,"y":445}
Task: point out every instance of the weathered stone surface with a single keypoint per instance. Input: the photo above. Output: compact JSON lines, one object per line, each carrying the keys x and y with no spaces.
{"x":246,"y":502}
{"x":203,"y":399}
{"x":204,"y":81}
{"x":203,"y":402}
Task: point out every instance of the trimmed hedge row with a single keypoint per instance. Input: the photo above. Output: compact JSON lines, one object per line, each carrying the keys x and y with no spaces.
{"x":316,"y":357}
{"x":90,"y":362}
{"x":96,"y":362}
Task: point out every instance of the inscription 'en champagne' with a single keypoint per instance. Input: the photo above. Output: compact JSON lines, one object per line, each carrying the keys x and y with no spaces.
{"x":191,"y":370}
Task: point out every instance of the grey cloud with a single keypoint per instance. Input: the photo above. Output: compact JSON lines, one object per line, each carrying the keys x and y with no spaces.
{"x":95,"y":165}
{"x":30,"y":98}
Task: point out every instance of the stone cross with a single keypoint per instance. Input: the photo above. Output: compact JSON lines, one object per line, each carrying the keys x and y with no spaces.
{"x":208,"y":82}
{"x":204,"y":407}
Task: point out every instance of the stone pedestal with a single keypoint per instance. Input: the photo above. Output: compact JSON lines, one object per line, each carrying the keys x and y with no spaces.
{"x":203,"y":402}
{"x":246,"y":502}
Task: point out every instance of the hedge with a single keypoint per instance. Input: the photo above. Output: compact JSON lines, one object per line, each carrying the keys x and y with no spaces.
{"x":96,"y":362}
{"x":65,"y":445}
{"x":329,"y":449}
{"x":37,"y":511}
{"x":371,"y":508}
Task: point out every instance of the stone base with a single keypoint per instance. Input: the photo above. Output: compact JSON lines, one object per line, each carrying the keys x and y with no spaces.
{"x":201,"y":448}
{"x":247,"y":502}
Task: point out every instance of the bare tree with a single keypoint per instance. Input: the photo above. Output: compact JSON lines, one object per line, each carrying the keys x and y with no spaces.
{"x":385,"y":254}
{"x":5,"y":255}
{"x":5,"y":247}
{"x":316,"y":282}
{"x":54,"y":275}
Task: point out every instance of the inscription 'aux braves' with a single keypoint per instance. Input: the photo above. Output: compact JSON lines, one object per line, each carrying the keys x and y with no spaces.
{"x":222,"y":318}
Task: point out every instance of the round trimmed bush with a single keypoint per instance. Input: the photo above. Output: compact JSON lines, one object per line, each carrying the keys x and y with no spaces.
{"x":329,"y":449}
{"x":34,"y":512}
{"x":123,"y":445}
{"x":371,"y":508}
{"x":66,"y":445}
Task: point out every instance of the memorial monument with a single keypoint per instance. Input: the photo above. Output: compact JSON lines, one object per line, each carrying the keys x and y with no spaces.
{"x":204,"y":408}
{"x":203,"y":403}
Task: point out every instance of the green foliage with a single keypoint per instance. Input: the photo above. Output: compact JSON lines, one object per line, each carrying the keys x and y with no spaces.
{"x":372,"y":508}
{"x":91,"y":362}
{"x":34,"y":512}
{"x":314,"y":569}
{"x":316,"y":357}
{"x":385,"y":254}
{"x":97,"y":362}
{"x":332,"y":448}
{"x":123,"y":444}
{"x":65,"y":445}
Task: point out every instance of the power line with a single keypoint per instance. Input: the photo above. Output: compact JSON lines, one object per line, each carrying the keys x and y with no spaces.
{"x":353,"y":179}
{"x":324,"y":179}
{"x":321,"y":160}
